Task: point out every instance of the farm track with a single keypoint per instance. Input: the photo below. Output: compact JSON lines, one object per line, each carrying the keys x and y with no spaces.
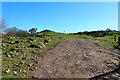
{"x":76,"y":58}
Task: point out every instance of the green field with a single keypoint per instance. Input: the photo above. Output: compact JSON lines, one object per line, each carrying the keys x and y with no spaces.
{"x":109,"y":38}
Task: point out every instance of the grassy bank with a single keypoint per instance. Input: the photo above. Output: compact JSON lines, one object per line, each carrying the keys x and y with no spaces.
{"x":109,"y":37}
{"x":19,"y":54}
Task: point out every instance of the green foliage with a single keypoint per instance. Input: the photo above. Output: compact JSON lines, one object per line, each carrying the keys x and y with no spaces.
{"x":5,"y":40}
{"x":66,"y":35}
{"x":22,"y":33}
{"x":33,"y":30}
{"x":118,"y":47}
{"x":15,"y":32}
{"x":106,"y":38}
{"x":87,"y":36}
{"x":11,"y":32}
{"x":34,"y":45}
{"x":18,"y":56}
{"x":12,"y":49}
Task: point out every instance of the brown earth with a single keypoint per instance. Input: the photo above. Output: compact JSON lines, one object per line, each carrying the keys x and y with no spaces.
{"x":76,"y":58}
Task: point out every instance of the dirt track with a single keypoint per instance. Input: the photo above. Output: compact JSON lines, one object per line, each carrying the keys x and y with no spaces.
{"x":76,"y":58}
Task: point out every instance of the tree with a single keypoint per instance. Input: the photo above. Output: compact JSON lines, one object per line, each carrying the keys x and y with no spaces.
{"x":15,"y":32}
{"x":108,"y":29}
{"x":3,"y":24}
{"x":11,"y":32}
{"x":33,"y":30}
{"x":22,"y":33}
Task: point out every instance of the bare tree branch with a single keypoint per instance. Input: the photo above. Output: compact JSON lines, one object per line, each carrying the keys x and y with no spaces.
{"x":3,"y":25}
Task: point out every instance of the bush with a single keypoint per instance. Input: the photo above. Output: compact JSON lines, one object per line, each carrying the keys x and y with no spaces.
{"x":12,"y":49}
{"x":22,"y":33}
{"x":15,"y":32}
{"x":34,"y":45}
{"x":11,"y":32}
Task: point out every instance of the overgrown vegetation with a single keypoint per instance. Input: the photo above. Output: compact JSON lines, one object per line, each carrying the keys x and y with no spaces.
{"x":20,"y":54}
{"x":15,"y":32}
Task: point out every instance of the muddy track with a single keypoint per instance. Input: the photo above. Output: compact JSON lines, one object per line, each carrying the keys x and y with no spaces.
{"x":76,"y":58}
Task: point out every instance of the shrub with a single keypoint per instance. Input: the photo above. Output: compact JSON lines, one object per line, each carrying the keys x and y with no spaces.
{"x":34,"y":45}
{"x":15,"y":32}
{"x":22,"y":33}
{"x":12,"y":49}
{"x":11,"y":32}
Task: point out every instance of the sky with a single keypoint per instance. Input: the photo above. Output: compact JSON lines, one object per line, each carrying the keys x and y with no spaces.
{"x":60,"y":0}
{"x":61,"y":16}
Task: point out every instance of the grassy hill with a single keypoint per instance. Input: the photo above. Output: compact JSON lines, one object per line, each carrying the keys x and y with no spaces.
{"x":19,"y":53}
{"x":107,"y":36}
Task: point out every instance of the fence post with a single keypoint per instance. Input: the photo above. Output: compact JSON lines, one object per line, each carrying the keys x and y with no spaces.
{"x":115,"y":38}
{"x":118,"y":41}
